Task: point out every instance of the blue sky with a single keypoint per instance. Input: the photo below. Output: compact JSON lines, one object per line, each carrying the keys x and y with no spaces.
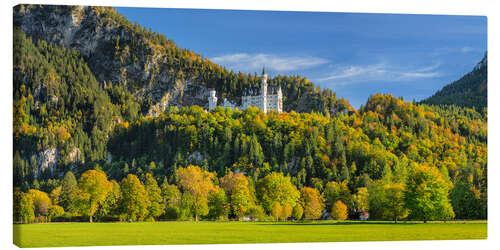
{"x":353,"y":54}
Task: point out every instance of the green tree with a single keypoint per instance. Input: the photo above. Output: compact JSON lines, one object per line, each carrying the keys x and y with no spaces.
{"x":156,"y":207}
{"x":297,"y":212}
{"x":426,"y":195}
{"x":394,"y":202}
{"x":55,"y":211}
{"x":255,"y":154}
{"x":16,"y":204}
{"x":172,"y":197}
{"x":68,"y":187}
{"x":218,"y":204}
{"x":241,"y":198}
{"x":377,"y":200}
{"x":134,"y":201}
{"x":110,"y":206}
{"x":466,"y":200}
{"x":55,"y":194}
{"x":186,"y":210}
{"x":26,"y":208}
{"x":277,"y":188}
{"x":256,"y":212}
{"x":335,"y":191}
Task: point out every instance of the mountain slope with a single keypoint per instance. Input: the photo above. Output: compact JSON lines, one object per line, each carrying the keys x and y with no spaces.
{"x":156,"y":71}
{"x":62,"y":116}
{"x":469,"y":91}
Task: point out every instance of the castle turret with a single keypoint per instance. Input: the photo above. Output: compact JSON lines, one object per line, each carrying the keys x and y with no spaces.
{"x":263,"y":85}
{"x":212,"y":100}
{"x":263,"y":91}
{"x":280,"y":99}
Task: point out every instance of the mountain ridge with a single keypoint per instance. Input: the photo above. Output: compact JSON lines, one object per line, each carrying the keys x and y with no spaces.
{"x":469,"y":91}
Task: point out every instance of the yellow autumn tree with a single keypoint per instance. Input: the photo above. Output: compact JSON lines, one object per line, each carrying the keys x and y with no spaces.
{"x":232,"y":179}
{"x":41,"y":202}
{"x":339,"y":211}
{"x":93,"y":187}
{"x":276,"y":210}
{"x":199,"y":184}
{"x":312,"y":202}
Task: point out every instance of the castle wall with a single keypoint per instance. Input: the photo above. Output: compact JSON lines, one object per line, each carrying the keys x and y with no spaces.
{"x":265,"y":102}
{"x":273,"y":102}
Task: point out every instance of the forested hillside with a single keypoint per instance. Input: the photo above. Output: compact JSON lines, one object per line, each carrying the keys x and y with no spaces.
{"x":155,"y":69}
{"x":109,"y":116}
{"x":469,"y":91}
{"x":62,"y":115}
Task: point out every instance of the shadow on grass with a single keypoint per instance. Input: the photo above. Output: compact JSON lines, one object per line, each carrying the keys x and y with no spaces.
{"x":337,"y":223}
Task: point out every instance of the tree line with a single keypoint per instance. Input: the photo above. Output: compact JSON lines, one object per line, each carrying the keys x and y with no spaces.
{"x":199,"y":194}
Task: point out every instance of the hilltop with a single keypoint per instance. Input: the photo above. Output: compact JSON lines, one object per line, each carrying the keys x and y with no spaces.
{"x":470,"y":91}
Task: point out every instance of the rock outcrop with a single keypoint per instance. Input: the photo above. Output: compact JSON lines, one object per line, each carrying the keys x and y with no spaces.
{"x":47,"y":161}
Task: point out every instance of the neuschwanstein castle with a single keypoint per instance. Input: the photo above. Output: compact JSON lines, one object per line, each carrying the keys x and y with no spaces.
{"x":266,"y":98}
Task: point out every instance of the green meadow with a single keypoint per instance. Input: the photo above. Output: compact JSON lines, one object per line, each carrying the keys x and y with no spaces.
{"x":162,"y":233}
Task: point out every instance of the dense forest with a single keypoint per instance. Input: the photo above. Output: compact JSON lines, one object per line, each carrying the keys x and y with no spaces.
{"x":86,"y":144}
{"x":469,"y":91}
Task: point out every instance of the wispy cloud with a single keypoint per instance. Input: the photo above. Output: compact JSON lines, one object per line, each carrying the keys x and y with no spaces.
{"x":444,"y":51}
{"x":468,"y":49}
{"x":254,"y":62}
{"x":377,"y":72}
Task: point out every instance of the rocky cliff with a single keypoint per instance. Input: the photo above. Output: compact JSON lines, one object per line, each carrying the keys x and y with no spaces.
{"x":114,"y":50}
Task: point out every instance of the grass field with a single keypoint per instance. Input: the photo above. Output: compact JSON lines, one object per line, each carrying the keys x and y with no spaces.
{"x":156,"y":233}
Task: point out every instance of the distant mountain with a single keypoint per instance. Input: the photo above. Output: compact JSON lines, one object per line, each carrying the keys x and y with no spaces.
{"x":469,"y":91}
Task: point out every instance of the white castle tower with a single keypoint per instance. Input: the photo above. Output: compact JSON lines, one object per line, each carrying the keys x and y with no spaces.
{"x":263,"y":90}
{"x":280,"y":100}
{"x":212,"y":100}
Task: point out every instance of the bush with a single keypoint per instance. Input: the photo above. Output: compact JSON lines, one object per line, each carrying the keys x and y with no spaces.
{"x":257,"y":213}
{"x":172,"y":213}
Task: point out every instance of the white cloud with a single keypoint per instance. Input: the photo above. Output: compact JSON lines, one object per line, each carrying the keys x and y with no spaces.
{"x":468,"y":49}
{"x":377,"y":72}
{"x":440,"y":52}
{"x":254,"y":62}
{"x":350,"y":72}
